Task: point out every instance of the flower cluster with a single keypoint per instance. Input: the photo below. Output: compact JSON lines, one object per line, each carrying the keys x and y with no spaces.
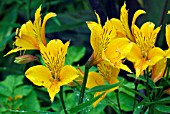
{"x":31,"y":36}
{"x":112,"y":44}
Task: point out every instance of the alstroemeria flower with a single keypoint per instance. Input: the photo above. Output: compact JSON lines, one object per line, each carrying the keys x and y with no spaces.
{"x":54,"y":74}
{"x":31,"y":34}
{"x":122,"y":26}
{"x":106,"y":72}
{"x":107,"y":44}
{"x":143,"y":53}
{"x":159,"y":68}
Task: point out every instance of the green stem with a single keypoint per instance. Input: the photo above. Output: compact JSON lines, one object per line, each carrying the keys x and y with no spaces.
{"x":160,"y":93}
{"x":62,"y":100}
{"x":147,"y":81}
{"x":151,"y":109}
{"x":118,"y":101}
{"x":136,"y":86}
{"x":163,"y":12}
{"x":87,"y":67}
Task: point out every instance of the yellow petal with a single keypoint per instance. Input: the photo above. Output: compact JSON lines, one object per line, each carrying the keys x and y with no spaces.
{"x":101,"y":98}
{"x":167,"y":53}
{"x":137,"y":14}
{"x":25,"y":37}
{"x":155,"y":54}
{"x":124,"y":20}
{"x":115,"y":80}
{"x":158,"y":70}
{"x":48,"y":16}
{"x":168,"y":35}
{"x":37,"y":24}
{"x":96,"y":30}
{"x":107,"y":70}
{"x":98,"y":18}
{"x":54,"y":54}
{"x":57,"y":47}
{"x":147,"y":28}
{"x":94,"y":79}
{"x":169,"y":12}
{"x":49,"y":58}
{"x":68,"y":74}
{"x":38,"y":14}
{"x":24,"y":43}
{"x":140,"y":66}
{"x":14,"y":50}
{"x":120,"y":31}
{"x":53,"y":89}
{"x":39,"y":75}
{"x":118,"y":49}
{"x":135,"y":54}
{"x":124,"y":67}
{"x":108,"y":33}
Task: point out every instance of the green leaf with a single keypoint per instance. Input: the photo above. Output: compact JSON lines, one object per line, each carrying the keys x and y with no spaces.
{"x":163,"y":108}
{"x":23,"y":90}
{"x":139,"y":78}
{"x":104,"y":87}
{"x":138,"y":109}
{"x":83,"y":105}
{"x":126,"y":102}
{"x":151,"y":83}
{"x":4,"y":42}
{"x":135,"y":92}
{"x":74,"y":54}
{"x":12,"y":81}
{"x":58,"y":28}
{"x":30,"y":103}
{"x":165,"y":100}
{"x":6,"y":29}
{"x":4,"y":90}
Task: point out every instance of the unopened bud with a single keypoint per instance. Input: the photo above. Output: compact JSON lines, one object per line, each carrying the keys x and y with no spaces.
{"x":25,"y":59}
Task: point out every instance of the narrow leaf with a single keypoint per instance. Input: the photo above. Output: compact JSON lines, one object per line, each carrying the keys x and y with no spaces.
{"x":104,"y":87}
{"x":83,"y":105}
{"x":135,"y":92}
{"x":163,"y":108}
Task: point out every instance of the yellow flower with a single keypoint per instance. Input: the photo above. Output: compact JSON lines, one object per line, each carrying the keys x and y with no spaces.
{"x":107,"y":44}
{"x":122,"y":26}
{"x":106,"y":72}
{"x":143,"y":53}
{"x":159,"y":68}
{"x":54,"y":74}
{"x":31,"y":34}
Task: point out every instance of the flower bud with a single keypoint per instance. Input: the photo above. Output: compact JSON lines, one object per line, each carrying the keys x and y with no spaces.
{"x":25,"y":59}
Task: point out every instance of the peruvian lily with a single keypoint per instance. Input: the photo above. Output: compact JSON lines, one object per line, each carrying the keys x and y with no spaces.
{"x":54,"y":74}
{"x":106,"y":72}
{"x":158,"y":69}
{"x":107,"y":44}
{"x":143,"y":53}
{"x":31,"y":34}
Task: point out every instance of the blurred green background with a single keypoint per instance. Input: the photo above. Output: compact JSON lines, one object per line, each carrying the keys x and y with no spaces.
{"x":16,"y":92}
